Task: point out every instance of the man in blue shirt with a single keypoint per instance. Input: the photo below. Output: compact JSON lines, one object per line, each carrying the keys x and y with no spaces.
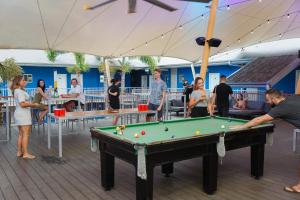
{"x":157,"y":95}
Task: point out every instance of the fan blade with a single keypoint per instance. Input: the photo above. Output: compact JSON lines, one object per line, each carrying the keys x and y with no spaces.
{"x":101,"y":4}
{"x":161,"y":5}
{"x":131,"y":6}
{"x":199,"y":1}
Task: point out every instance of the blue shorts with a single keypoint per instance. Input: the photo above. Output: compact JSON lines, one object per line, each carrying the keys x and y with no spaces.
{"x":154,"y":107}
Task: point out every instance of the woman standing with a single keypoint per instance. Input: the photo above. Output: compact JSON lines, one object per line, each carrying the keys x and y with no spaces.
{"x":38,"y":97}
{"x":113,"y":95}
{"x":22,"y":115}
{"x":199,"y":101}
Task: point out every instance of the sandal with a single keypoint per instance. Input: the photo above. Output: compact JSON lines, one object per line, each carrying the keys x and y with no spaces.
{"x":291,"y":189}
{"x":19,"y":154}
{"x":28,"y":156}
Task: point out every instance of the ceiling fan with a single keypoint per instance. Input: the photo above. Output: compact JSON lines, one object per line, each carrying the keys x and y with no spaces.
{"x":132,"y":4}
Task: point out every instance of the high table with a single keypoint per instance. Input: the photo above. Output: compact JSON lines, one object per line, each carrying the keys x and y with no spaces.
{"x":60,"y":100}
{"x":5,"y":102}
{"x":89,"y":114}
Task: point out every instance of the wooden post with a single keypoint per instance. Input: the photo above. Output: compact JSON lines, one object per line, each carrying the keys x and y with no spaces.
{"x":298,"y":86}
{"x":210,"y":31}
{"x":107,"y":71}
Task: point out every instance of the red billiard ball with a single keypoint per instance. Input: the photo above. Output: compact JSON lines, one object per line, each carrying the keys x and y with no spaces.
{"x":143,"y":132}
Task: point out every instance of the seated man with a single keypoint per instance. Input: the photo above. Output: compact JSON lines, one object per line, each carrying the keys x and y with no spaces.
{"x":75,"y":92}
{"x":241,"y":102}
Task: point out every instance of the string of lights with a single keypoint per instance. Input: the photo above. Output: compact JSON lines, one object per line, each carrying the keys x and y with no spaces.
{"x":227,"y":7}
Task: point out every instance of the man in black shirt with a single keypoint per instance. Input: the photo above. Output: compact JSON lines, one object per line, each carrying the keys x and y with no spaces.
{"x":188,"y":89}
{"x":286,"y":108}
{"x":221,"y":97}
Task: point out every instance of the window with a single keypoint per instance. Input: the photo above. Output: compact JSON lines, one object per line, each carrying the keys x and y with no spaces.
{"x":28,"y":78}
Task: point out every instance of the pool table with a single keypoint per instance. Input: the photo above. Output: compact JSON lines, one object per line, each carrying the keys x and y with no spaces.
{"x":167,"y":142}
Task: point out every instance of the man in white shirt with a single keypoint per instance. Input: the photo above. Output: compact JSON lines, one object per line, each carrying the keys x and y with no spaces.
{"x":75,"y":92}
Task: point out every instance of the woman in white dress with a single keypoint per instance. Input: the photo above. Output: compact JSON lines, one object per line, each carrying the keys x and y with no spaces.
{"x":22,"y":115}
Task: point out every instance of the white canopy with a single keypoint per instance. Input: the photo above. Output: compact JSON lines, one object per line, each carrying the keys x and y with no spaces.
{"x":111,"y":31}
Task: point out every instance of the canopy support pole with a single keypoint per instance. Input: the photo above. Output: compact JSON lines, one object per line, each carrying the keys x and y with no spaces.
{"x":210,"y":31}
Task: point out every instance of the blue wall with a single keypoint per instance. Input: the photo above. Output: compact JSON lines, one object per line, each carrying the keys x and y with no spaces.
{"x":133,"y":79}
{"x":287,"y":84}
{"x":187,"y":73}
{"x":90,"y":79}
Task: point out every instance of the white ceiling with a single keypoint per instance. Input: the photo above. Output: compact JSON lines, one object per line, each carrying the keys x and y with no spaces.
{"x":110,"y":31}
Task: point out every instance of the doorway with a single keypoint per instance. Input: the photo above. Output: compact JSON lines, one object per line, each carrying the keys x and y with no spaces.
{"x":61,"y":83}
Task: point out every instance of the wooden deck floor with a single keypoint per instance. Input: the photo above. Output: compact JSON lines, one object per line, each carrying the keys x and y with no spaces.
{"x":78,"y":176}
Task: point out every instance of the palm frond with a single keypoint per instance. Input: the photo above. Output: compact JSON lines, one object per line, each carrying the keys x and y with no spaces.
{"x":80,"y":66}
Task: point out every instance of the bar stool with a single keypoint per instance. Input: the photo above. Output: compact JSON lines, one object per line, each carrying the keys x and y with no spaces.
{"x":295,"y":132}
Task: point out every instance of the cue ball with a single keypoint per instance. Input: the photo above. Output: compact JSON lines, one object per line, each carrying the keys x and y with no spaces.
{"x":136,"y":135}
{"x":166,"y":129}
{"x":197,"y":133}
{"x":223,"y":126}
{"x":143,"y":132}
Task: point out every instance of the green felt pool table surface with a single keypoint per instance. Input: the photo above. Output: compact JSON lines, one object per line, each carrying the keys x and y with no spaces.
{"x":155,"y":132}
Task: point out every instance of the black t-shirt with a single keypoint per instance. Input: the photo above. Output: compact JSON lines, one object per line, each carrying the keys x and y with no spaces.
{"x":288,"y":110}
{"x":187,"y":92}
{"x":222,"y":92}
{"x":114,"y":101}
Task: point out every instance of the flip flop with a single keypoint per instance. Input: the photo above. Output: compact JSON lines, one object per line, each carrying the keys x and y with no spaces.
{"x":19,"y":154}
{"x":29,"y":157}
{"x":291,"y":189}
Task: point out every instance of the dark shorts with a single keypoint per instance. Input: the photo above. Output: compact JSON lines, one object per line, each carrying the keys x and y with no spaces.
{"x":114,"y":105}
{"x":154,"y":107}
{"x":199,"y":112}
{"x":223,"y":110}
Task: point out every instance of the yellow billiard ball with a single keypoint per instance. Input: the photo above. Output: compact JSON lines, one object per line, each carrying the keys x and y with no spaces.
{"x":118,"y":128}
{"x":197,"y":133}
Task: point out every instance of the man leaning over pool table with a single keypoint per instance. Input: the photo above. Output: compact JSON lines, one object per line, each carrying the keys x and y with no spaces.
{"x":286,"y":108}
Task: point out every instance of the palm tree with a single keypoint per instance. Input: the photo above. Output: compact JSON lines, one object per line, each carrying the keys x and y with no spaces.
{"x":104,"y":65}
{"x":125,"y":67}
{"x":149,"y":61}
{"x":80,"y":66}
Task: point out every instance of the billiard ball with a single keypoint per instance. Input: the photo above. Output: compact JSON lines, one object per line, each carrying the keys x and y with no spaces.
{"x":122,"y":126}
{"x":143,"y":132}
{"x":166,"y":129}
{"x":197,"y":133}
{"x":222,"y":126}
{"x":136,"y":135}
{"x":173,"y":136}
{"x":118,"y":128}
{"x":115,"y":132}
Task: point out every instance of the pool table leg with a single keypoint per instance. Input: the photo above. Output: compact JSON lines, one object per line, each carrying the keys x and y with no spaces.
{"x":167,"y":169}
{"x":144,"y":188}
{"x":210,"y":173}
{"x":257,"y":160}
{"x":107,"y":170}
